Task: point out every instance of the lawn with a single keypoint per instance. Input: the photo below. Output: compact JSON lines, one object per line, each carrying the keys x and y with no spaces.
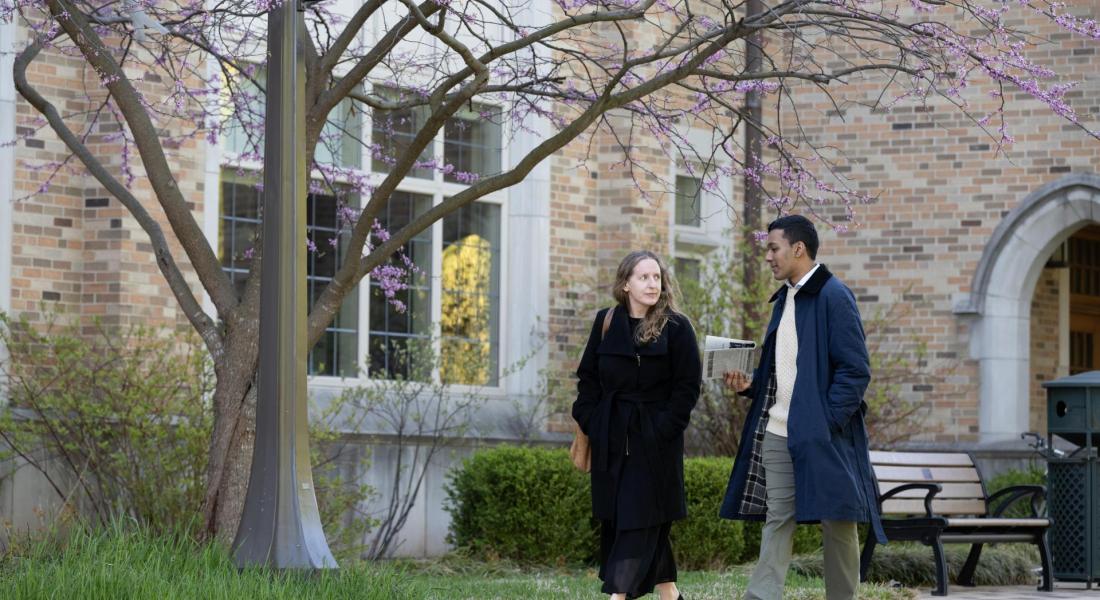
{"x":577,"y":583}
{"x":124,"y":564}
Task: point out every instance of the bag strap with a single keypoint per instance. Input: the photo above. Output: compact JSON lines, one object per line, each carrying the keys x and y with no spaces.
{"x":606,"y":322}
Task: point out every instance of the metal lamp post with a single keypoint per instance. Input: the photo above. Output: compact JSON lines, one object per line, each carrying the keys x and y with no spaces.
{"x":281,"y":525}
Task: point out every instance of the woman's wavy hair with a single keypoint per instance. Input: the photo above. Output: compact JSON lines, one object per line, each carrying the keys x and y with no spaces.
{"x":658,"y":314}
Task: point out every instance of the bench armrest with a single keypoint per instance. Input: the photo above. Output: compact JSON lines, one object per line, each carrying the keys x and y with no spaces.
{"x":1010,"y":495}
{"x":932,"y":489}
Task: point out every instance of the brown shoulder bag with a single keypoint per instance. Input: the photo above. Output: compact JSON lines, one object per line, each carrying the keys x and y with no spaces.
{"x":580,"y":451}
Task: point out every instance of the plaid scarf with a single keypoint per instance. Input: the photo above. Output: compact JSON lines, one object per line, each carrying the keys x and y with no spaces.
{"x":755,"y":499}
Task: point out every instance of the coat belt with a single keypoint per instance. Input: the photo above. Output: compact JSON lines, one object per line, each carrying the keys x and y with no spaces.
{"x":645,"y":425}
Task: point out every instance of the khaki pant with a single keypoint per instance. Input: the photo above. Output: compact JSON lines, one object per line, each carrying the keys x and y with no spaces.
{"x":840,"y":538}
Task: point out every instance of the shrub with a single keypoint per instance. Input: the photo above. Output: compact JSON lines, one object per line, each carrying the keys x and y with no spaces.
{"x":116,"y":420}
{"x":704,"y":540}
{"x":525,"y":504}
{"x":1011,"y":477}
{"x":532,"y":506}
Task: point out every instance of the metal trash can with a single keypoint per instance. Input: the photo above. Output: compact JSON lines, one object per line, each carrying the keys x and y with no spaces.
{"x":1073,"y":480}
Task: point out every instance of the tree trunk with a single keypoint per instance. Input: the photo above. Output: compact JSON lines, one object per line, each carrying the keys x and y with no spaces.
{"x":238,"y":467}
{"x":233,"y":435}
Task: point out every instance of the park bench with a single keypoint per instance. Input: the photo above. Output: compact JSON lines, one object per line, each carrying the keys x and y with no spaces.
{"x":938,"y":498}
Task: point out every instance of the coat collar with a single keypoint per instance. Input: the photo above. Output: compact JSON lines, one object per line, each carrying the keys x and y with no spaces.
{"x":813,"y":286}
{"x":620,"y":339}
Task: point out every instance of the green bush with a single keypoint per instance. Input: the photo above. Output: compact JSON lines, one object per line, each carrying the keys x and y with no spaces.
{"x":704,"y":540}
{"x":524,"y":504}
{"x":116,"y":419}
{"x":531,"y":505}
{"x":1011,"y":477}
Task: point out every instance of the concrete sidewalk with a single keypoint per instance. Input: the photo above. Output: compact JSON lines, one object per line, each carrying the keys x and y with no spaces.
{"x":1062,"y":591}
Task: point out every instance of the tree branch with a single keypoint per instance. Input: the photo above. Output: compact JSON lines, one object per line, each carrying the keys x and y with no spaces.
{"x":146,"y":138}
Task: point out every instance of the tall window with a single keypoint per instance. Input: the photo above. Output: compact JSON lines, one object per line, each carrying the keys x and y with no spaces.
{"x":469,"y":288}
{"x":461,"y":270}
{"x":688,"y":201}
{"x":336,"y":353}
{"x":458,"y":280}
{"x":471,"y":295}
{"x":471,"y":143}
{"x":240,"y":226}
{"x":393,"y":334}
{"x":241,"y":202}
{"x":392,"y":133}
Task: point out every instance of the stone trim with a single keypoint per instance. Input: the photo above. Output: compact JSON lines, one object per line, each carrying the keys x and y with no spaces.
{"x":975,"y":302}
{"x":1000,"y":300}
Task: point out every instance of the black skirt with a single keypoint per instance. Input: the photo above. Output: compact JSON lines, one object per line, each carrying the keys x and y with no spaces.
{"x":634,"y":561}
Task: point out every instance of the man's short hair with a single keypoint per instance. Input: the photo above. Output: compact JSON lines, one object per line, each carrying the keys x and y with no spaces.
{"x":797,"y":228}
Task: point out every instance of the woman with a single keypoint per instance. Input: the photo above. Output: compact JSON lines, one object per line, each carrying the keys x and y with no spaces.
{"x":639,"y":379}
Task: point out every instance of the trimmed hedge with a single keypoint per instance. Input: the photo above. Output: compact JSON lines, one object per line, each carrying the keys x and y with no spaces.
{"x":526,"y":504}
{"x":530,"y":505}
{"x":704,"y":540}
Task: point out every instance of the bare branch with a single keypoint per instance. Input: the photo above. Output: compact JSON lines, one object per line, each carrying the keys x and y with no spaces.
{"x":175,"y":207}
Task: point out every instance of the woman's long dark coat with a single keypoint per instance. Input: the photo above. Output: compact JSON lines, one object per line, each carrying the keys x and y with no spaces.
{"x":638,"y":400}
{"x":826,"y":433}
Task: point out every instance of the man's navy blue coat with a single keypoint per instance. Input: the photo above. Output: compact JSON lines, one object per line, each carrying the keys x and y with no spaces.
{"x":827,"y":435}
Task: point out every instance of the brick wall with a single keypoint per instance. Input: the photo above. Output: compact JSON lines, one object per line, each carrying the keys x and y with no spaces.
{"x":942,"y":190}
{"x":75,"y":250}
{"x":1045,"y":345}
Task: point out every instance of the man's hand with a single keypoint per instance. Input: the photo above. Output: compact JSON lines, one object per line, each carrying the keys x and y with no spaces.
{"x":737,"y":381}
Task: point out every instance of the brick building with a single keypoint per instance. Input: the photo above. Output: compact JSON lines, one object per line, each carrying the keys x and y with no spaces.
{"x":996,"y":256}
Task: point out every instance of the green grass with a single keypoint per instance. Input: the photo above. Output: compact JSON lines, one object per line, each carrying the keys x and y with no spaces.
{"x":122,"y":563}
{"x":458,"y":577}
{"x":912,"y":564}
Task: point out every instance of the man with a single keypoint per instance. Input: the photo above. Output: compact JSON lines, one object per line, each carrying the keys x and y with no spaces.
{"x":803,"y":456}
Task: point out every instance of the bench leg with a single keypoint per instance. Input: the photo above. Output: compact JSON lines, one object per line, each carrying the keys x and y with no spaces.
{"x":1044,"y":554}
{"x":941,"y":568}
{"x":865,"y":556}
{"x":966,"y":575}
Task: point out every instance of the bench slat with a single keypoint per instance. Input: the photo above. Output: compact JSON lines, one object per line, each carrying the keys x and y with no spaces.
{"x":987,"y":537}
{"x":921,"y":459}
{"x":964,"y":491}
{"x":919,"y":474}
{"x":913,"y":506}
{"x":999,"y":522}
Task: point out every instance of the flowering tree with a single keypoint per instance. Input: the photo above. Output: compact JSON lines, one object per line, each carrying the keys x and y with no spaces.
{"x":178,"y":70}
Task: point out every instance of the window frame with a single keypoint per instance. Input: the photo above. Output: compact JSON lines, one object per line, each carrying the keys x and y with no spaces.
{"x":698,"y":242}
{"x":438,"y":188}
{"x":699,"y":207}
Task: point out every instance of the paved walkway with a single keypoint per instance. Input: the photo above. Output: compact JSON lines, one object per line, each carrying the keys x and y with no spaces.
{"x":1062,"y":591}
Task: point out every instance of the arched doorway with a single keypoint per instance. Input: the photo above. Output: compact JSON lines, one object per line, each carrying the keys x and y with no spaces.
{"x":1002,"y":291}
{"x":1082,"y":252}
